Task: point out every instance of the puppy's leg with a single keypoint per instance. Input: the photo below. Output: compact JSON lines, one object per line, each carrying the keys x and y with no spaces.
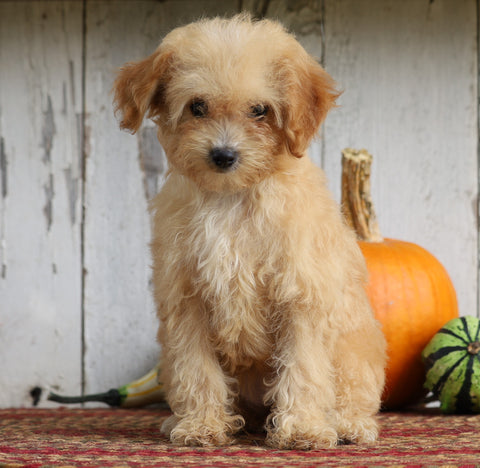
{"x":198,"y":391}
{"x":360,"y":364}
{"x":302,"y":394}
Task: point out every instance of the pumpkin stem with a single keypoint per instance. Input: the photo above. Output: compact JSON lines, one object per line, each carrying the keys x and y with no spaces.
{"x":474,"y":348}
{"x":356,"y":198}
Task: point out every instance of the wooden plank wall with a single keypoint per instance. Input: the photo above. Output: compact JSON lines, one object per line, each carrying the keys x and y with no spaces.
{"x":76,"y":312}
{"x":40,"y":203}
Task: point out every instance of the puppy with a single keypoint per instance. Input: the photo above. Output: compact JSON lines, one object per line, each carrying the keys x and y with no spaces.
{"x":259,"y":283}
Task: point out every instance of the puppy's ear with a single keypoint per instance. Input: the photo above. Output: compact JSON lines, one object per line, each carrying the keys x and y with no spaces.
{"x":310,"y":94}
{"x":138,"y":89}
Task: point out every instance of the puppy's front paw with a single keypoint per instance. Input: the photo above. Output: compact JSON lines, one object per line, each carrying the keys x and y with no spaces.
{"x":168,"y":425}
{"x":196,"y":432}
{"x":359,"y":430}
{"x":286,"y":433}
{"x":302,"y":439}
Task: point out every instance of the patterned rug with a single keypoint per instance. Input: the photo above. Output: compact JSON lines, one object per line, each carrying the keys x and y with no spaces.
{"x":124,"y":438}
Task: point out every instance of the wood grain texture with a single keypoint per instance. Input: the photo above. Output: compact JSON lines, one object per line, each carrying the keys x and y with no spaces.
{"x":408,"y":70}
{"x":40,"y":266}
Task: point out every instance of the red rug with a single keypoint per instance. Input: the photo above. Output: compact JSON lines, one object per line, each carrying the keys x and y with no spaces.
{"x":123,"y":438}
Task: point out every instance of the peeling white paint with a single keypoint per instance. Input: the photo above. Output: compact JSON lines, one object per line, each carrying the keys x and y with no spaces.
{"x":48,"y":131}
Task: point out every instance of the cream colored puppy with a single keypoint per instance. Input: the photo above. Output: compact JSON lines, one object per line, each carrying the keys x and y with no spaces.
{"x":259,"y":283}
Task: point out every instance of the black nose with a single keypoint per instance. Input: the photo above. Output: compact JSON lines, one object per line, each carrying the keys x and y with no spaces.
{"x":224,"y":158}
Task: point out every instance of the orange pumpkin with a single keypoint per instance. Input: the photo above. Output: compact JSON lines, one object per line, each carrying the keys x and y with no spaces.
{"x":410,"y":291}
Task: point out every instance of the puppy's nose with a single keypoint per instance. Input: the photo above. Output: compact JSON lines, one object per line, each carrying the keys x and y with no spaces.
{"x":224,"y":158}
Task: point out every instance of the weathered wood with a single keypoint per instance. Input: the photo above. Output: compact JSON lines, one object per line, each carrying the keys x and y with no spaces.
{"x":40,"y":153}
{"x":408,"y":70}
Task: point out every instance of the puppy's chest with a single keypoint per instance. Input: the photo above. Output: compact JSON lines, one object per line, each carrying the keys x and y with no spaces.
{"x":233,"y":254}
{"x":229,"y":247}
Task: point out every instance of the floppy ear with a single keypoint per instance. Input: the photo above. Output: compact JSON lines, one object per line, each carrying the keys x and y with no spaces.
{"x":310,"y":94}
{"x":139,"y":89}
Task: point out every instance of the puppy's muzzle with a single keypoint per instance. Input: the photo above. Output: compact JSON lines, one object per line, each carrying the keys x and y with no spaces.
{"x":224,"y":158}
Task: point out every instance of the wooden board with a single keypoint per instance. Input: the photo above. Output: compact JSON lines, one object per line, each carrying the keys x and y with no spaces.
{"x":40,"y":206}
{"x":409,"y":74}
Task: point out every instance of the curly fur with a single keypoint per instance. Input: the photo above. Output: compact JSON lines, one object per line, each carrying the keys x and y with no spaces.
{"x":259,"y":283}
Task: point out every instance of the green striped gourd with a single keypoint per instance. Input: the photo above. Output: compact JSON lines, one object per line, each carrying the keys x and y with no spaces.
{"x":452,"y":361}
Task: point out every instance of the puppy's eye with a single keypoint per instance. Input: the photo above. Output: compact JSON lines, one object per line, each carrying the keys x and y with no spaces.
{"x":199,"y":108}
{"x":259,"y":111}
